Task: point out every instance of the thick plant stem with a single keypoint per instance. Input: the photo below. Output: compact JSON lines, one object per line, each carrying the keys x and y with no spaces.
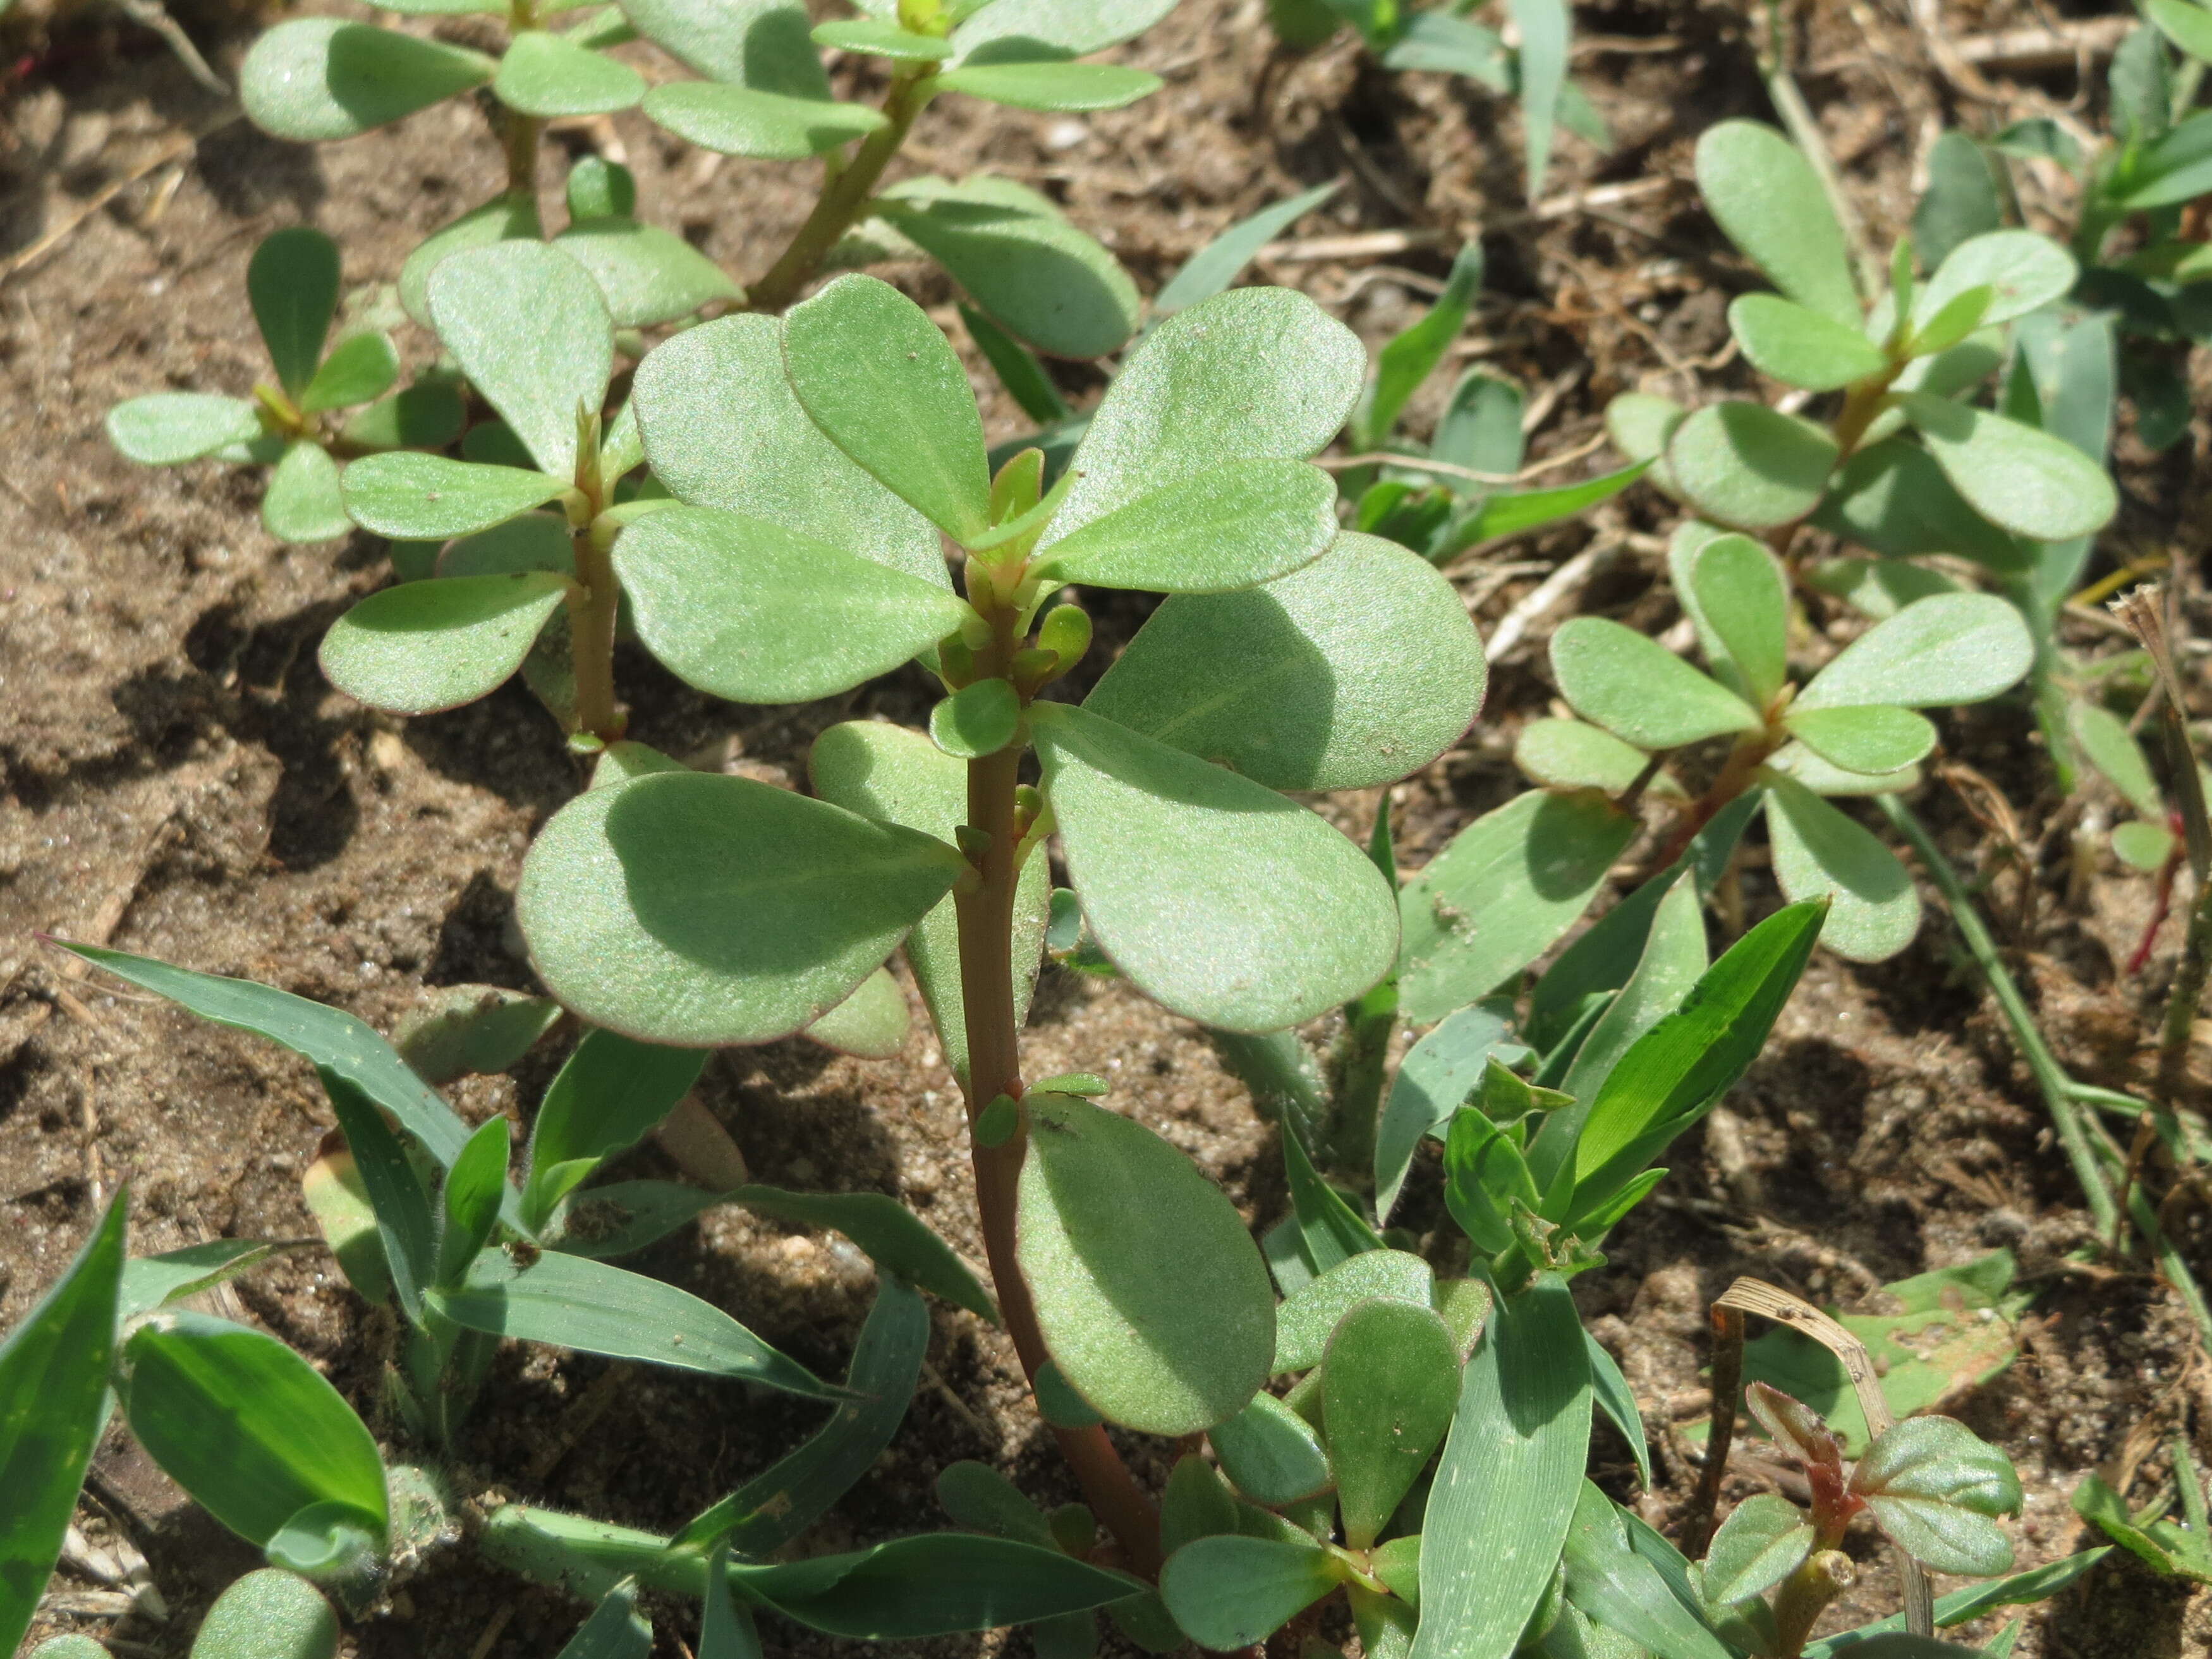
{"x":593,"y":606}
{"x":518,"y":137}
{"x":843,"y":197}
{"x":986,"y":987}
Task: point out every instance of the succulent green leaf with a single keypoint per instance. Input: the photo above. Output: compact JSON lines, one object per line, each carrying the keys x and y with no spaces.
{"x":883,"y":382}
{"x":1052,"y":86}
{"x":1953,"y":324}
{"x":1768,"y":200}
{"x":1045,"y":282}
{"x":1152,"y":1298}
{"x":895,"y":1238}
{"x":2023,"y":270}
{"x":1892,"y":498}
{"x":532,"y":332}
{"x":1031,"y":31}
{"x":792,"y":1493}
{"x":506,"y":217}
{"x":608,"y":1094}
{"x":168,"y":428}
{"x":1357,"y":670}
{"x":361,"y":368}
{"x":1256,"y":374}
{"x":1749,"y":467}
{"x":534,"y":542}
{"x":1569,"y":754}
{"x":722,"y":428}
{"x":1819,"y":852}
{"x":1933,"y":1483}
{"x":1948,"y":648}
{"x":54,"y":1370}
{"x":425,"y":645}
{"x":648,"y":275}
{"x":1197,"y":1504}
{"x":1233,"y":527}
{"x":1230,"y":1592}
{"x":2143,"y":846}
{"x":1639,"y":690}
{"x":1270,"y":1453}
{"x":754,"y":612}
{"x":1303,"y":1322}
{"x":1759,"y":1545}
{"x":1500,"y":894}
{"x":760,"y":43}
{"x":1962,"y":199}
{"x":1868,"y":737}
{"x":977,"y":720}
{"x":699,"y":909}
{"x":418,"y":497}
{"x":2019,"y":478}
{"x":1507,"y":1486}
{"x":292,"y":283}
{"x":981,"y":1499}
{"x":884,"y":771}
{"x":882,"y":38}
{"x":548,"y":76}
{"x":305,"y":502}
{"x":1138,"y":818}
{"x":1641,"y":423}
{"x":573,"y":1301}
{"x":1878,"y":588}
{"x":268,"y":1614}
{"x":1438,"y":1073}
{"x":1741,"y":598}
{"x":247,"y":1426}
{"x":2185,"y":23}
{"x":2108,"y":745}
{"x":872,"y":1024}
{"x":1485,"y":1176}
{"x":312,"y":79}
{"x":1686,"y":1062}
{"x":767,"y":126}
{"x":1390,"y":1385}
{"x":1802,"y":347}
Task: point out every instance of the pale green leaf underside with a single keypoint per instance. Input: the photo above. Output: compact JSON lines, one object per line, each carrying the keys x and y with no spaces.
{"x":1151,"y":1296}
{"x":1039,"y":277}
{"x":722,"y":428}
{"x":1569,"y":754}
{"x":1357,"y":670}
{"x":871,"y":1023}
{"x":1639,"y":690}
{"x":306,"y":500}
{"x":1874,"y":911}
{"x":546,"y":75}
{"x":754,"y":612}
{"x":887,"y":772}
{"x":699,"y":909}
{"x":1233,"y":527}
{"x":166,"y":428}
{"x":1216,"y":896}
{"x":425,"y":645}
{"x":647,"y":275}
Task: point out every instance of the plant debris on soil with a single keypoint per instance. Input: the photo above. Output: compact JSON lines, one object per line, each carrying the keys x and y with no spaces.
{"x":177,"y":779}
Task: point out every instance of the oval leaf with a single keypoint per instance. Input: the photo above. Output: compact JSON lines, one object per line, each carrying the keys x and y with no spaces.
{"x":765,"y":126}
{"x":1946,"y":648}
{"x":1151,"y":1296}
{"x":1231,"y":1592}
{"x":1272,"y":1453}
{"x":1356,"y":671}
{"x":425,"y":645}
{"x":318,"y":78}
{"x":1568,"y":754}
{"x":415,"y":497}
{"x":2023,"y":480}
{"x":1933,"y":1483}
{"x":886,"y":385}
{"x":292,"y":283}
{"x":1390,"y":1385}
{"x":1819,"y":852}
{"x":168,"y":428}
{"x":872,"y":1024}
{"x":648,"y":275}
{"x":1237,"y":951}
{"x":1234,"y":527}
{"x":532,"y":332}
{"x":2023,"y":270}
{"x":546,"y":75}
{"x":1039,"y":277}
{"x":306,"y":499}
{"x":1766,"y":196}
{"x":1052,"y":86}
{"x":723,"y":428}
{"x":1741,"y":599}
{"x":1800,"y":347}
{"x":1873,"y":738}
{"x":1750,"y":466}
{"x":1757,"y":1546}
{"x":752,"y":611}
{"x":699,"y":909}
{"x":1639,"y":690}
{"x":1303,"y":1322}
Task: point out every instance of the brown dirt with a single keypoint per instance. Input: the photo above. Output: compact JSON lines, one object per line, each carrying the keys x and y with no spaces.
{"x":179,"y":777}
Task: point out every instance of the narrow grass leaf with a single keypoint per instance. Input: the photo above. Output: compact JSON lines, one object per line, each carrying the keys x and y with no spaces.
{"x":895,"y":1238}
{"x":1016,"y":366}
{"x":1504,"y":1492}
{"x":608,"y":1095}
{"x":1541,"y":62}
{"x":1437,"y":1076}
{"x":427,"y":645}
{"x":1151,"y":1298}
{"x":1138,"y":817}
{"x":1609,"y":1390}
{"x":699,"y":909}
{"x":1607,"y":1581}
{"x":471,"y":1203}
{"x":1213,"y":267}
{"x":1411,"y":356}
{"x":54,"y":1373}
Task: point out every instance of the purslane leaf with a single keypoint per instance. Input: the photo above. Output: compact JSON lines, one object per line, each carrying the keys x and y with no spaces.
{"x":415,"y":497}
{"x":1819,"y":852}
{"x":766,"y":126}
{"x":1867,"y":739}
{"x":1052,"y":86}
{"x":1948,"y":648}
{"x":1233,"y":527}
{"x":1767,"y":198}
{"x":425,"y":645}
{"x":699,"y":909}
{"x":292,"y":283}
{"x":313,"y":79}
{"x":532,"y":332}
{"x":1151,"y":1296}
{"x":1138,"y":817}
{"x":755,"y":613}
{"x":1749,"y":467}
{"x":1640,"y":691}
{"x":1802,"y":347}
{"x":547,"y":75}
{"x":2019,"y":478}
{"x":168,"y":428}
